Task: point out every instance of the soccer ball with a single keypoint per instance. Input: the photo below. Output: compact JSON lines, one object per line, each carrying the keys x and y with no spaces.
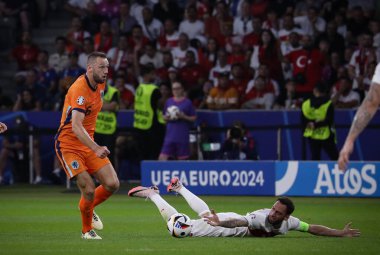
{"x":179,"y":225}
{"x":172,"y":112}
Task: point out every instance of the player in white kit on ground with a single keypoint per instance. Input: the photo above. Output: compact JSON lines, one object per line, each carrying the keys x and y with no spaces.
{"x":260,"y":223}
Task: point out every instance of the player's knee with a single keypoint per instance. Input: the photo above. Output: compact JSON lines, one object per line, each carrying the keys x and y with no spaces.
{"x":112,"y":186}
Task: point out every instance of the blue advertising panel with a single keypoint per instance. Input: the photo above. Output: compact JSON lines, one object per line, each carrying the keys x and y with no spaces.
{"x":302,"y":178}
{"x":212,"y":177}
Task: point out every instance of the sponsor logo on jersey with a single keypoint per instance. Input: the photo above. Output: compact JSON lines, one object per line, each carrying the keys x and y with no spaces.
{"x":80,"y":100}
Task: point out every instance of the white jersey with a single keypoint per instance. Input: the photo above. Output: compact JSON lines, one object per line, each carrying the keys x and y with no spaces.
{"x":201,"y":228}
{"x":258,"y":226}
{"x":376,"y":76}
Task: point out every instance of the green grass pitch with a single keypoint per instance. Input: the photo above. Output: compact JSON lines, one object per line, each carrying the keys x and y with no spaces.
{"x":46,"y":220}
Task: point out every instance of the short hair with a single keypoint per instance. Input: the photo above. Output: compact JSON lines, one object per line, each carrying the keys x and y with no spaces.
{"x":146,"y":69}
{"x":288,"y":203}
{"x":94,"y":55}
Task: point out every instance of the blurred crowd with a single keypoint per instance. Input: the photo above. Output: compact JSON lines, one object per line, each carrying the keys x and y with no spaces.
{"x":237,"y":54}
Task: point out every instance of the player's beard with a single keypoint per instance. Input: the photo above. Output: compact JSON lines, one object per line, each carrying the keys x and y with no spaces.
{"x":98,"y":79}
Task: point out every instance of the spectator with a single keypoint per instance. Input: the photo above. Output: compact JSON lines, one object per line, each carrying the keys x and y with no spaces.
{"x":201,"y":101}
{"x":238,"y":81}
{"x":167,"y":8}
{"x":25,"y":53}
{"x":16,"y":146}
{"x":292,"y":100}
{"x":213,"y":24}
{"x":162,"y":73}
{"x":307,"y":64}
{"x":137,"y":38}
{"x":243,"y":23}
{"x":126,"y":93}
{"x":59,"y":60}
{"x":362,"y":56}
{"x":192,"y":75}
{"x":193,"y":27}
{"x":239,"y":144}
{"x":208,"y":55}
{"x":176,"y":142}
{"x":288,"y":27}
{"x":221,"y":66}
{"x":78,"y":7}
{"x":59,"y":98}
{"x":151,"y":55}
{"x":169,"y":37}
{"x":73,"y":70}
{"x":268,"y":53}
{"x":272,"y":22}
{"x":258,"y":95}
{"x":312,"y":24}
{"x":31,"y":83}
{"x":88,"y":47}
{"x":357,"y":23}
{"x":252,"y":39}
{"x":76,"y":35}
{"x":151,"y":26}
{"x":223,"y":97}
{"x":343,"y":96}
{"x":103,"y":40}
{"x":318,"y":122}
{"x":120,"y":56}
{"x":335,"y":40}
{"x":47,"y":76}
{"x":124,"y":22}
{"x":179,"y":53}
{"x":26,"y":101}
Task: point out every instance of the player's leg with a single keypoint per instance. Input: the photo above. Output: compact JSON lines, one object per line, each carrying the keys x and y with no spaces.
{"x":165,"y":209}
{"x":87,"y":188}
{"x":198,"y":205}
{"x":107,"y":177}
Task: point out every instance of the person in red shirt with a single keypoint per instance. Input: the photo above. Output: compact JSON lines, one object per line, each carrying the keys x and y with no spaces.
{"x":25,"y":53}
{"x":307,"y":64}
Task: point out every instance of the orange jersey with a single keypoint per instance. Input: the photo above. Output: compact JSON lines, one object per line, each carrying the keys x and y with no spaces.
{"x":83,"y":98}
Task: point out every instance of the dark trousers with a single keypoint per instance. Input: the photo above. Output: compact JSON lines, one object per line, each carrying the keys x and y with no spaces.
{"x":329,"y":146}
{"x":109,"y":141}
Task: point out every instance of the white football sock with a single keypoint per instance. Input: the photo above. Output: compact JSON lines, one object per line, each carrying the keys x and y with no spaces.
{"x":165,"y":209}
{"x":198,"y":205}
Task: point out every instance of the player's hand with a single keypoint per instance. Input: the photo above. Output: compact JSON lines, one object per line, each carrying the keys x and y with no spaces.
{"x":344,"y":155}
{"x":349,"y":232}
{"x":212,"y":219}
{"x":102,"y":151}
{"x":3,"y":127}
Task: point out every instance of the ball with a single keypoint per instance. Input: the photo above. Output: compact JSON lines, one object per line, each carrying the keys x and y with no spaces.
{"x":172,"y":112}
{"x":179,"y":225}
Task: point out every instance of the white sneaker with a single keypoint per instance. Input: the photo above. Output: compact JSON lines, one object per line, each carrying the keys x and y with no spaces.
{"x":38,"y":180}
{"x":96,"y":222}
{"x":174,"y":185}
{"x":91,"y":235}
{"x":143,"y":192}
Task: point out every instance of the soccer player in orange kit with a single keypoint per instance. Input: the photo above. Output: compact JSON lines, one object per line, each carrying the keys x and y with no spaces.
{"x":80,"y":156}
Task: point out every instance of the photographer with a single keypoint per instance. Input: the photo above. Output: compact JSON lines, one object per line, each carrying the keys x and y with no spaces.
{"x":239,"y":144}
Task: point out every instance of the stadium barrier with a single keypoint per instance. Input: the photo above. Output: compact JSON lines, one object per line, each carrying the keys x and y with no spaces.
{"x":269,"y":178}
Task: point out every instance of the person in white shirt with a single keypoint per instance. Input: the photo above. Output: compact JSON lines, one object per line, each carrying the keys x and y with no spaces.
{"x":243,"y":23}
{"x":179,"y":52}
{"x":151,"y":26}
{"x":364,"y":114}
{"x":344,"y":96}
{"x":312,"y":24}
{"x":259,"y":223}
{"x":192,"y":26}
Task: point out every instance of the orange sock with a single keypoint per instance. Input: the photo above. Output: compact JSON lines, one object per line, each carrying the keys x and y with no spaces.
{"x":86,"y":209}
{"x":101,"y":194}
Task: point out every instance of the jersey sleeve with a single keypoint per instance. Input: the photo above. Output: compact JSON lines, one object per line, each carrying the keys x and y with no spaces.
{"x":295,"y":224}
{"x":78,"y":99}
{"x":376,"y":76}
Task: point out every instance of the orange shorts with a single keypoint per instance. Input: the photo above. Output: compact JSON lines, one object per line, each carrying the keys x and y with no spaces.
{"x":75,"y":162}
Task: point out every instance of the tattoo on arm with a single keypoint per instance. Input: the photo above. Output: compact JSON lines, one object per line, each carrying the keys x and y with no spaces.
{"x":366,"y":111}
{"x":233,"y":223}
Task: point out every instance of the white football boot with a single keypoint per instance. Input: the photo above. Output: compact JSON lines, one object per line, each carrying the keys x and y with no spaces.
{"x":96,"y":222}
{"x":91,"y":235}
{"x":175,"y":185}
{"x":143,"y":192}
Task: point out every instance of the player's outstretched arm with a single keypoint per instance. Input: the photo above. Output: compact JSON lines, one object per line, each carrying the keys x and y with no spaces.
{"x":321,"y":230}
{"x":3,"y":127}
{"x":213,"y":220}
{"x":362,"y":117}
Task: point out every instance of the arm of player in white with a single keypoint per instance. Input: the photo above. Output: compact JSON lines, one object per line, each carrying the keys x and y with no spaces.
{"x":213,"y":220}
{"x":321,"y":230}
